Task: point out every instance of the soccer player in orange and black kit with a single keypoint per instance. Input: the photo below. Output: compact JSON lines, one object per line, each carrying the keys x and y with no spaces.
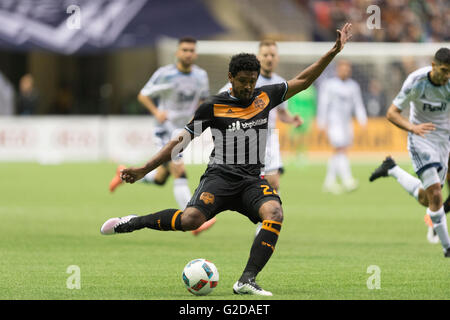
{"x":232,"y":179}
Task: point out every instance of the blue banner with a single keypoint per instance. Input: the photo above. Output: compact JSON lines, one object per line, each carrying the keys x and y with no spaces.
{"x":94,"y":26}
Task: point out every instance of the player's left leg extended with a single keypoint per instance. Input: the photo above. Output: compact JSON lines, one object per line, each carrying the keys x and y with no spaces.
{"x":165,"y":220}
{"x":410,"y":184}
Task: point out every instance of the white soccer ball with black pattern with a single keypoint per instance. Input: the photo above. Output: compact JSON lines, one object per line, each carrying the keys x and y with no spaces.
{"x":200,"y":277}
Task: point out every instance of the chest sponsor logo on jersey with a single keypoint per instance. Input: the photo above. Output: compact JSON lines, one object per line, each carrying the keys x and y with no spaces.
{"x":433,"y":107}
{"x":183,"y":97}
{"x":235,"y":126}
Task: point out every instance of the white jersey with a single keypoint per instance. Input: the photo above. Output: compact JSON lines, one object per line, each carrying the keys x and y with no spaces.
{"x":427,"y":103}
{"x":263,"y":81}
{"x":339,"y":100}
{"x":177,"y":93}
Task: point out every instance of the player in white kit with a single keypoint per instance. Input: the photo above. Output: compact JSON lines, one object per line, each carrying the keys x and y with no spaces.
{"x":339,"y":100}
{"x":273,"y":166}
{"x":426,"y":92}
{"x":178,"y":89}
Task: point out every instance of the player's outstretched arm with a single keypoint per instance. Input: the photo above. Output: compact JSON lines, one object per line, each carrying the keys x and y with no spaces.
{"x":303,"y":80}
{"x":173,"y":147}
{"x":394,"y":116}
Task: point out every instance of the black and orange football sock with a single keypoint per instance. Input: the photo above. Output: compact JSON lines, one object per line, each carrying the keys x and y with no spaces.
{"x":262,"y":249}
{"x":165,"y":220}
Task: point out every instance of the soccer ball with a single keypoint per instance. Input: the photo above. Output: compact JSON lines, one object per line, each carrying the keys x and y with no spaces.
{"x":200,"y":277}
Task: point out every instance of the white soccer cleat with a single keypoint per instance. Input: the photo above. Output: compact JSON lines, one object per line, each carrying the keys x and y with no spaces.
{"x":350,"y":185}
{"x":432,"y":237}
{"x":334,"y":188}
{"x":109,"y":227}
{"x":250,"y":287}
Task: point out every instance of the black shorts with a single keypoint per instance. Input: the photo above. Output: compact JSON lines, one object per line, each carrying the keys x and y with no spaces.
{"x":216,"y":193}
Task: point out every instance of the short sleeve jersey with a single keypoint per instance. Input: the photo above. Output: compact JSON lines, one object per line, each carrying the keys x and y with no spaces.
{"x":177,"y":93}
{"x":264,"y":81}
{"x":239,"y":129}
{"x":427,"y":102}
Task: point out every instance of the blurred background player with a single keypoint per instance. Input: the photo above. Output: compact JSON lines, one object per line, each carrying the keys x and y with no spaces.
{"x":426,"y":92}
{"x":273,"y":166}
{"x":179,"y":89}
{"x":28,"y":98}
{"x":339,"y":99}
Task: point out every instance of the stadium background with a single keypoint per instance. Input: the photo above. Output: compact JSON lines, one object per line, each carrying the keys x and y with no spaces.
{"x":95,"y":72}
{"x":82,"y":117}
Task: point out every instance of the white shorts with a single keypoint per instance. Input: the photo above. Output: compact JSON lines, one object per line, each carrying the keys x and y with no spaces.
{"x":340,"y":136}
{"x":272,"y":159}
{"x":162,"y":137}
{"x":426,"y":153}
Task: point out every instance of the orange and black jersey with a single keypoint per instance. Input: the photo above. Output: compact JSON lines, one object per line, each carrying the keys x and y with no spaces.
{"x":239,"y":129}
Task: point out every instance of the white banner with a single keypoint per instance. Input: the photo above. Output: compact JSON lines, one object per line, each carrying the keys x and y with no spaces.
{"x":127,"y":140}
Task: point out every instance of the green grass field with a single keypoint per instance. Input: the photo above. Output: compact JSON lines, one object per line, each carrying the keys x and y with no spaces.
{"x":51,"y":216}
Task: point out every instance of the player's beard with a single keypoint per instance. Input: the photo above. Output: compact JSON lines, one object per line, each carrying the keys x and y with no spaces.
{"x":245,"y":96}
{"x":186,"y":65}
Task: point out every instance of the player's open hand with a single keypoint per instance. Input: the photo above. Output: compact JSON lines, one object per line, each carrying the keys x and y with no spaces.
{"x":343,"y":36}
{"x":423,"y":128}
{"x":131,"y":175}
{"x":161,"y":116}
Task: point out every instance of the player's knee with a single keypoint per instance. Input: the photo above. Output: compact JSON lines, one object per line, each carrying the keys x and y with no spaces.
{"x":191,"y":219}
{"x":275,"y":184}
{"x":180,"y":175}
{"x":432,"y":185}
{"x":160,"y":181}
{"x":434,"y":195}
{"x":271,"y":210}
{"x":422,"y":198}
